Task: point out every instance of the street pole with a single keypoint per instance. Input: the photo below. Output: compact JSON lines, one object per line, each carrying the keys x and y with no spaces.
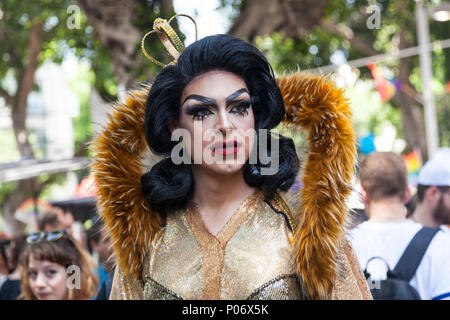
{"x":431,"y":128}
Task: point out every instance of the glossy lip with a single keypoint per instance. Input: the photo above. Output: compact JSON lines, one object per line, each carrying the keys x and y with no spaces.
{"x":226,"y":147}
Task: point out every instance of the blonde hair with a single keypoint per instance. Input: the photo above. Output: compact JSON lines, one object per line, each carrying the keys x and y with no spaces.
{"x":65,"y":251}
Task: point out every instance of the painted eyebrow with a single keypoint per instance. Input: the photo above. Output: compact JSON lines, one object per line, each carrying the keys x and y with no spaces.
{"x":233,"y":97}
{"x":203,"y":99}
{"x":230,"y":99}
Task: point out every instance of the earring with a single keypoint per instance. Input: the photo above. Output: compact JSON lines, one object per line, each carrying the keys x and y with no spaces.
{"x":255,"y":170}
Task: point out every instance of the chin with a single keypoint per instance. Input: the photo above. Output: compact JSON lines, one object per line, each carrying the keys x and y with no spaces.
{"x":46,"y":297}
{"x":226,"y":168}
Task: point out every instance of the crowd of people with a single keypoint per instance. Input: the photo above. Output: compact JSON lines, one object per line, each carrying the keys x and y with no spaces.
{"x":394,"y":243}
{"x":57,"y":262}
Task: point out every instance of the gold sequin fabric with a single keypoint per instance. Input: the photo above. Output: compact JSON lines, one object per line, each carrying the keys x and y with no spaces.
{"x":257,"y":253}
{"x":250,"y":258}
{"x":350,"y":283}
{"x":176,"y":260}
{"x":284,"y":287}
{"x":155,"y":291}
{"x":124,"y":287}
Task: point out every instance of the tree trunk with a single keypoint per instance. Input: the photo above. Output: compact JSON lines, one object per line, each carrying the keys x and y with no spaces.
{"x":113,"y":24}
{"x":412,"y":118}
{"x":25,"y":85}
{"x":25,"y":189}
{"x":19,"y":115}
{"x":293,"y":18}
{"x":22,"y":192}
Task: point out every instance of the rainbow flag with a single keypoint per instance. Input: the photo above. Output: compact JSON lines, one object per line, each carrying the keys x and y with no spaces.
{"x":29,"y":212}
{"x":385,"y":88}
{"x":413,"y":162}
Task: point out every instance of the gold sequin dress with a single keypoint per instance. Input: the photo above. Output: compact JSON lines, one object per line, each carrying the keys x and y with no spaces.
{"x":250,"y":258}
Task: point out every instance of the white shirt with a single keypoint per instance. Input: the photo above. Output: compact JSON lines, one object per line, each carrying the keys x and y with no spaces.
{"x":2,"y":279}
{"x":389,"y":240}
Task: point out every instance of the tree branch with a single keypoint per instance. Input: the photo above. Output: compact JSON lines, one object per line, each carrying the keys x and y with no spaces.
{"x":347,"y":33}
{"x":114,"y":27}
{"x":9,"y":99}
{"x":25,"y":85}
{"x":81,"y":150}
{"x":292,"y":18}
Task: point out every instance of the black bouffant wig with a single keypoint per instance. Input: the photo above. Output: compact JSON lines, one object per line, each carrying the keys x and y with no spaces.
{"x":168,"y":186}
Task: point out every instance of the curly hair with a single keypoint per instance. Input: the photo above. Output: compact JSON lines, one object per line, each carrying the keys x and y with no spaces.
{"x":169,"y":186}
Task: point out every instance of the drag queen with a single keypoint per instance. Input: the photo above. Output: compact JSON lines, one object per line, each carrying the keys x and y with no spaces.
{"x":195,"y":186}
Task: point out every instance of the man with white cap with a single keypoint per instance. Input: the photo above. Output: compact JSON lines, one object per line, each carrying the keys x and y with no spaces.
{"x":433,"y":192}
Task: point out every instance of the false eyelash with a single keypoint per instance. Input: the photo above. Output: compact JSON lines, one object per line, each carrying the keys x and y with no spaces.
{"x":245,"y":105}
{"x":194,"y":110}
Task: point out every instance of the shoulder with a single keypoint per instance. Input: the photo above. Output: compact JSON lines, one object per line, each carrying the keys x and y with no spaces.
{"x":287,"y":205}
{"x":125,"y":286}
{"x":292,"y":199}
{"x":360,"y":228}
{"x":435,"y":265}
{"x":350,"y":283}
{"x":405,"y":229}
{"x":441,"y":240}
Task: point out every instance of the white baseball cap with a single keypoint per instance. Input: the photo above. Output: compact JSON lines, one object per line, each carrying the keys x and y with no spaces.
{"x":436,"y":172}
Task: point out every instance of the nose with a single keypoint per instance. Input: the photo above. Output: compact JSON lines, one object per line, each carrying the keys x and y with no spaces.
{"x":223,"y":122}
{"x":40,"y":281}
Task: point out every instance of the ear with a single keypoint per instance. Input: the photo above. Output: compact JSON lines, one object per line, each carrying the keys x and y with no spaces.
{"x":432,"y":194}
{"x":407,"y":195}
{"x":93,"y":245}
{"x":365,"y":196}
{"x":172,"y":126}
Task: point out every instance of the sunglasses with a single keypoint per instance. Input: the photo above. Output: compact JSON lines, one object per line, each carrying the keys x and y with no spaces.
{"x":49,"y":236}
{"x":444,"y":189}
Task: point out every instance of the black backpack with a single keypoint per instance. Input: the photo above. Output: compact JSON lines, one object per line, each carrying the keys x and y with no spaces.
{"x":396,"y":286}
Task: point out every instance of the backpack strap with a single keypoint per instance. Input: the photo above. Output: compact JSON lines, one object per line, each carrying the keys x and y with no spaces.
{"x":413,"y":254}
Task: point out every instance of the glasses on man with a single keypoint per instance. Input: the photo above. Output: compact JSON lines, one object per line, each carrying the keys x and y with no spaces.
{"x":49,"y":236}
{"x":444,"y":189}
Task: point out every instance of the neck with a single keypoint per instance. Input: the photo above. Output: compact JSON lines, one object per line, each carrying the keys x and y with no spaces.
{"x":386,"y":210}
{"x":214,"y":191}
{"x":422,"y":214}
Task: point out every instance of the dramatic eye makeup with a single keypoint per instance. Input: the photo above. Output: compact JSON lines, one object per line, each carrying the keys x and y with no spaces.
{"x":198,"y":112}
{"x":241,"y":107}
{"x":208,"y":106}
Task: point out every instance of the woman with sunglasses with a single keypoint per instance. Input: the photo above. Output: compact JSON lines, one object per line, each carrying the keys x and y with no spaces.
{"x":56,"y":267}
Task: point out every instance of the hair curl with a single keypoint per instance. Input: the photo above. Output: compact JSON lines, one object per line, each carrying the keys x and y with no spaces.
{"x":169,"y":186}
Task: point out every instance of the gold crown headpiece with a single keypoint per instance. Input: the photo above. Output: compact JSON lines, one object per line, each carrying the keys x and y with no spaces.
{"x":168,"y":37}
